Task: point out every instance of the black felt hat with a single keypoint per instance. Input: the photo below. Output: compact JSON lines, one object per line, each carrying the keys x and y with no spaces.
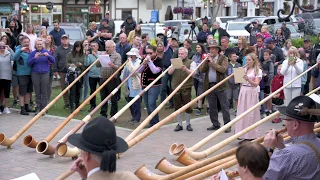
{"x":99,"y":137}
{"x":294,"y":107}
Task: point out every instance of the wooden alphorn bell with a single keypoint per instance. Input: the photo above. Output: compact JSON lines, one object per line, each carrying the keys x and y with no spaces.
{"x":215,"y":170}
{"x":167,"y":167}
{"x":204,"y":141}
{"x":43,"y":146}
{"x":4,"y":141}
{"x":62,"y":148}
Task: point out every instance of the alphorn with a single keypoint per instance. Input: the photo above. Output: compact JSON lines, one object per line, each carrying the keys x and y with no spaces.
{"x":65,"y":175}
{"x":4,"y":141}
{"x":159,"y":107}
{"x":43,"y":147}
{"x":215,"y":170}
{"x":167,"y":167}
{"x":62,"y":148}
{"x":232,"y":122}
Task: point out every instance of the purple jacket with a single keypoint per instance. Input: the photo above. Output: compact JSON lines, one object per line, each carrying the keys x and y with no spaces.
{"x":42,"y":63}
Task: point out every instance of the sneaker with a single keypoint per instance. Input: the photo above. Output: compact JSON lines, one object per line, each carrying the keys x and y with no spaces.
{"x":6,"y":111}
{"x":189,"y":128}
{"x":212,"y":128}
{"x":228,"y":130}
{"x":178,"y":128}
{"x":267,"y":113}
{"x":198,"y":112}
{"x":276,"y":120}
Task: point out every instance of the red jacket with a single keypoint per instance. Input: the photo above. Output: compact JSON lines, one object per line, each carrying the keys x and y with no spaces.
{"x":277,"y":82}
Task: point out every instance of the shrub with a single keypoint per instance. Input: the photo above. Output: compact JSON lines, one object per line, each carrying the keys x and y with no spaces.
{"x":299,"y":42}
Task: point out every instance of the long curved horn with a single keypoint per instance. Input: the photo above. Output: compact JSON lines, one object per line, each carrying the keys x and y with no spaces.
{"x":143,"y":173}
{"x":43,"y":147}
{"x":163,"y":103}
{"x":64,"y":175}
{"x":211,"y":171}
{"x":4,"y":141}
{"x":113,"y":118}
{"x":165,"y":166}
{"x":232,"y":122}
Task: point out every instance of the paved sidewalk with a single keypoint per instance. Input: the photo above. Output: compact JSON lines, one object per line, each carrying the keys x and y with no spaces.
{"x":21,"y":160}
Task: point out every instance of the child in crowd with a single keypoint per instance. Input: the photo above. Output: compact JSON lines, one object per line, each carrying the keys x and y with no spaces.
{"x":264,"y":32}
{"x":233,"y":90}
{"x":277,"y":82}
{"x":268,"y":73}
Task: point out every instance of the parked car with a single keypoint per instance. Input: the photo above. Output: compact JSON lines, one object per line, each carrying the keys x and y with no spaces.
{"x":236,"y":29}
{"x":179,"y":33}
{"x":316,"y":29}
{"x":223,"y":20}
{"x":251,"y":18}
{"x":149,"y":31}
{"x":159,"y":28}
{"x":175,"y":23}
{"x":76,"y":31}
{"x":294,"y":33}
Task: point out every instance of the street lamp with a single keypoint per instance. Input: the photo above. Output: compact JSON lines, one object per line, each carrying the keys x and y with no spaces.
{"x":295,"y":2}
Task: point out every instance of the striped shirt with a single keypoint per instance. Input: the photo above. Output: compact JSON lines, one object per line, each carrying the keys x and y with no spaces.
{"x":295,"y":162}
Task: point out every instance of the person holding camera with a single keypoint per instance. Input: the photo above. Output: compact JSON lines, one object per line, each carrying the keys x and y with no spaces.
{"x":94,"y":73}
{"x":75,"y":66}
{"x":40,"y":60}
{"x":253,"y":28}
{"x":14,"y":24}
{"x":24,"y":75}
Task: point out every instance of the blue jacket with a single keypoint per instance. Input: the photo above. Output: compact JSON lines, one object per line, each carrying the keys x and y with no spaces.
{"x":42,"y":63}
{"x":168,"y":54}
{"x":121,"y":49}
{"x":202,"y":36}
{"x":22,"y":62}
{"x":315,"y":74}
{"x":94,"y":71}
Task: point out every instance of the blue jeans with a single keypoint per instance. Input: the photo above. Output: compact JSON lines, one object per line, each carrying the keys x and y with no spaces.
{"x":166,"y":87}
{"x":86,"y":87}
{"x":261,"y":96}
{"x":150,"y":99}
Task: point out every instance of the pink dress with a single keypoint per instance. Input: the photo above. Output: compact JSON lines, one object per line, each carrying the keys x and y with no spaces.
{"x":248,"y":97}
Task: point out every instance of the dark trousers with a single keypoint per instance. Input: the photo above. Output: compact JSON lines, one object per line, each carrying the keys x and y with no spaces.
{"x":63,"y":86}
{"x":40,"y":83}
{"x":213,"y":97}
{"x":135,"y":108}
{"x":93,"y":82}
{"x":166,"y":88}
{"x":74,"y":96}
{"x":106,"y":90}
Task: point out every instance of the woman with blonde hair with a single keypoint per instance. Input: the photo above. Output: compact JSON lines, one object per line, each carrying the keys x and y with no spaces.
{"x":292,"y":66}
{"x":43,"y":34}
{"x":242,"y":46}
{"x":286,"y":46}
{"x":49,"y":45}
{"x":248,"y":97}
{"x":31,"y":35}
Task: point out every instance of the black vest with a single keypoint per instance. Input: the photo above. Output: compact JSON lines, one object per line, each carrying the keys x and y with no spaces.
{"x":147,"y":76}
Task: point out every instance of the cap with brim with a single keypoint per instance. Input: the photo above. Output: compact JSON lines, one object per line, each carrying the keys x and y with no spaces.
{"x":205,"y":18}
{"x":306,"y":40}
{"x":268,"y":41}
{"x":133,"y":52}
{"x":98,"y":135}
{"x":65,"y":36}
{"x":294,"y":107}
{"x":108,"y":12}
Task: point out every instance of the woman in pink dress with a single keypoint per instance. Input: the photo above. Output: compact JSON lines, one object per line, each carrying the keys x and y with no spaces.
{"x":248,"y":97}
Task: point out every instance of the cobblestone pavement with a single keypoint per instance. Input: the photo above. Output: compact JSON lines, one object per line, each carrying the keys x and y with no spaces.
{"x":21,"y":160}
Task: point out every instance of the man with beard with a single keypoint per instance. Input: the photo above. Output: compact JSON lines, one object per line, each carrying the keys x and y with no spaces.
{"x":215,"y":69}
{"x":56,"y":33}
{"x":105,"y":73}
{"x":59,"y":67}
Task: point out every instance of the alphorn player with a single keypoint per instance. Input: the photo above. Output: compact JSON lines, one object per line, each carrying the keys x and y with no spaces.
{"x":250,"y":167}
{"x":99,"y":145}
{"x":215,"y":71}
{"x":301,"y":160}
{"x":183,"y":96}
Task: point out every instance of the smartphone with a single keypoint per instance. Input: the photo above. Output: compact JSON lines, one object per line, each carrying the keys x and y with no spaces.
{"x":204,"y":56}
{"x":291,"y":58}
{"x":41,"y":55}
{"x":90,"y":51}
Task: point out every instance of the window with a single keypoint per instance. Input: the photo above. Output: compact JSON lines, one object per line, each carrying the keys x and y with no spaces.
{"x":125,"y":14}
